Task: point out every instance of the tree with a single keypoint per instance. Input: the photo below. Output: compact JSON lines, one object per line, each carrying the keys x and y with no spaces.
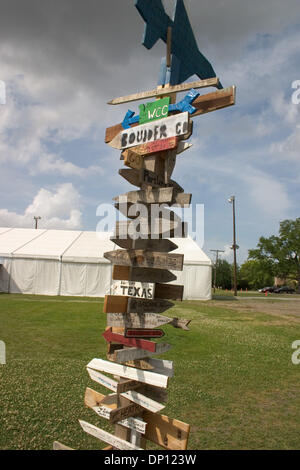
{"x":281,"y":253}
{"x":256,"y":273}
{"x":224,"y":274}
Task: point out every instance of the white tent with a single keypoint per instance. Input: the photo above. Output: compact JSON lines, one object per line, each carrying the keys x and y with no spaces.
{"x":65,"y":262}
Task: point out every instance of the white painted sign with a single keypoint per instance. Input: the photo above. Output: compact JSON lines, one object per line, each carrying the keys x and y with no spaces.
{"x":152,"y":131}
{"x":137,"y":424}
{"x":106,"y":437}
{"x":143,"y":401}
{"x":139,"y":375}
{"x":140,"y":290}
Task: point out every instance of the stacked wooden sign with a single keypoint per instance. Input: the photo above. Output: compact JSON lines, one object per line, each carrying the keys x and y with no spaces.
{"x":145,"y":262}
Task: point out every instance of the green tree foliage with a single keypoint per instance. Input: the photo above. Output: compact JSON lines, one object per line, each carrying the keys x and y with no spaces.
{"x":256,"y":273}
{"x":224,"y":274}
{"x":281,"y":253}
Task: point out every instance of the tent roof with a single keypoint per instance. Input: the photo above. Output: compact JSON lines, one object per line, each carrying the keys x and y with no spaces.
{"x":77,"y":246}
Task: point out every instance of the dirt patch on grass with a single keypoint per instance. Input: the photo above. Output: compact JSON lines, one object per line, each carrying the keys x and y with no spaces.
{"x":289,"y":310}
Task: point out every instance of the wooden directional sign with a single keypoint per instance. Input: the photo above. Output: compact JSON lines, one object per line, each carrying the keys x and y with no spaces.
{"x":158,"y":109}
{"x":172,"y":126}
{"x":150,"y":378}
{"x":145,"y":306}
{"x":168,"y":291}
{"x":146,"y":259}
{"x":95,"y":400}
{"x":204,"y":104}
{"x":138,"y":178}
{"x":138,"y":343}
{"x":156,"y":228}
{"x":157,"y":146}
{"x":107,"y":437}
{"x":59,"y":446}
{"x":153,"y":196}
{"x":132,"y":159}
{"x":133,"y":354}
{"x":143,"y":274}
{"x":214,"y":82}
{"x":169,"y":433}
{"x":183,"y":146}
{"x":119,"y":387}
{"x":143,"y":333}
{"x":143,"y":401}
{"x":144,"y":320}
{"x":120,"y":304}
{"x":164,"y":245}
{"x":141,"y":290}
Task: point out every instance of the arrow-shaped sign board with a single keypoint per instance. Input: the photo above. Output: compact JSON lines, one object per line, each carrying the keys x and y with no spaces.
{"x":142,"y":274}
{"x":150,"y":378}
{"x":107,"y":437}
{"x":138,"y":343}
{"x":144,"y":320}
{"x":146,"y":259}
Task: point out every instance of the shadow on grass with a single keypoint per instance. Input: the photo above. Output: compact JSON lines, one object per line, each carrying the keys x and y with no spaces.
{"x":223,"y":297}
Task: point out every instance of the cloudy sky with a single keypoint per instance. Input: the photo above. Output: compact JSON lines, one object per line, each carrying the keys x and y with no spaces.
{"x":63,"y":60}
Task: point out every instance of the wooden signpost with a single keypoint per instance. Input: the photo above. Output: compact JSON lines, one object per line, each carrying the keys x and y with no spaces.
{"x":150,"y":141}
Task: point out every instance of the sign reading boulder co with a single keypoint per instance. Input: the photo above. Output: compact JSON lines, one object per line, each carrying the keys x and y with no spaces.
{"x":169,"y":127}
{"x":141,"y":290}
{"x":156,"y":110}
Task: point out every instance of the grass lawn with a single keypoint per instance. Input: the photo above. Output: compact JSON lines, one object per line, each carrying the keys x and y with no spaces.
{"x":234,"y":380}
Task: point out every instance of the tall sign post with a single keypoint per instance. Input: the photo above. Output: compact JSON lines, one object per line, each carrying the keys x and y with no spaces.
{"x":140,"y":294}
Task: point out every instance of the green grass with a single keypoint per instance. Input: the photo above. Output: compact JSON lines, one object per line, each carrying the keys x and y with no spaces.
{"x":234,"y":380}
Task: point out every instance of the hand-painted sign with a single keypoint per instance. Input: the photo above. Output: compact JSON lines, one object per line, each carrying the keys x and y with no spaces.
{"x":147,"y":177}
{"x":120,"y":304}
{"x":168,"y":127}
{"x":109,"y":336}
{"x":143,"y":401}
{"x":107,"y":437}
{"x":146,"y":259}
{"x":155,"y":110}
{"x":169,"y":433}
{"x":133,"y":354}
{"x":157,"y":146}
{"x":144,"y":320}
{"x":143,"y":333}
{"x":141,"y":290}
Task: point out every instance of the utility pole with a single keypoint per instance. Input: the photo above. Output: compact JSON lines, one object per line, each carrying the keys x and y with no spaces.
{"x":216,"y":265}
{"x":235,"y":247}
{"x":36,"y":218}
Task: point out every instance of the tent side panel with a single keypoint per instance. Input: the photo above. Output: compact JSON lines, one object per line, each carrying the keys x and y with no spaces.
{"x":22,"y":277}
{"x":85,"y":279}
{"x":196,"y":280}
{"x":4,"y":274}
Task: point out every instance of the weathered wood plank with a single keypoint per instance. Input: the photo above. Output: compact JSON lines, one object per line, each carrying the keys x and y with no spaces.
{"x":143,"y":274}
{"x":168,"y":291}
{"x":215,"y":100}
{"x":173,"y":126}
{"x":155,"y":228}
{"x":144,"y":320}
{"x":59,"y":446}
{"x":183,"y":146}
{"x":143,"y":401}
{"x":147,"y":306}
{"x":156,"y":146}
{"x":164,"y":246}
{"x":118,"y":387}
{"x":139,"y":178}
{"x":109,"y":336}
{"x":146,"y":259}
{"x":171,"y":434}
{"x":107,"y":437}
{"x":150,"y":196}
{"x":132,"y":159}
{"x":129,"y":372}
{"x":122,"y":356}
{"x":162,"y":91}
